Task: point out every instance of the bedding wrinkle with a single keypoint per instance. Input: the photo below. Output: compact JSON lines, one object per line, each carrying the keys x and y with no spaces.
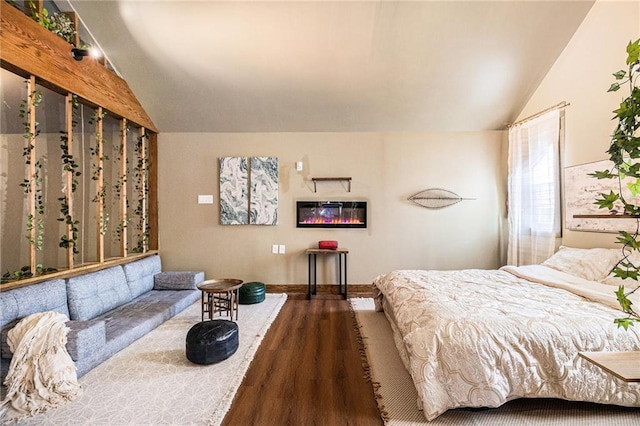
{"x":477,"y":338}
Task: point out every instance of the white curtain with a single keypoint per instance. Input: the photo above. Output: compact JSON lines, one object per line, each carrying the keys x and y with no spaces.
{"x":534,"y":189}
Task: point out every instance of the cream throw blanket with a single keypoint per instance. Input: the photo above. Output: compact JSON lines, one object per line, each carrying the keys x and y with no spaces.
{"x":42,"y":374}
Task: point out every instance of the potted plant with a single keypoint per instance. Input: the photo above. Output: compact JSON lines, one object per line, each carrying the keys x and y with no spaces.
{"x":624,"y":152}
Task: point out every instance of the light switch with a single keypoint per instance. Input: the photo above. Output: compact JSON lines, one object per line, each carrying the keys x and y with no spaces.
{"x":205,"y":199}
{"x":281,"y":249}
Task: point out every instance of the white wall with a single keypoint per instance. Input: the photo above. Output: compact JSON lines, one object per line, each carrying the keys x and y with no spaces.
{"x":386,"y":168}
{"x":581,"y":76}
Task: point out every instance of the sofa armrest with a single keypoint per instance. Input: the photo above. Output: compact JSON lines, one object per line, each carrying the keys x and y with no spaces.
{"x":5,"y":350}
{"x":85,"y":338}
{"x":177,"y":280}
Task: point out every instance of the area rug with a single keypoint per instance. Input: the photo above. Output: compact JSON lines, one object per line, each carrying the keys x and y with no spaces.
{"x":397,"y":397}
{"x":152,"y":383}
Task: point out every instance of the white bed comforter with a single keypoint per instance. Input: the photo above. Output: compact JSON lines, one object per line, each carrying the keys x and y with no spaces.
{"x":479,"y":338}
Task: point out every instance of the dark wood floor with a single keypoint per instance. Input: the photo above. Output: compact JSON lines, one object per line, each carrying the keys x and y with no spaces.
{"x":307,"y":371}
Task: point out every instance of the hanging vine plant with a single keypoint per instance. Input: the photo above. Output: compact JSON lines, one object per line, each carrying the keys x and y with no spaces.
{"x":142,"y":189}
{"x":58,"y":23}
{"x":69,"y":165}
{"x":33,"y":221}
{"x":97,"y":153}
{"x":624,"y":152}
{"x":118,"y":186}
{"x":25,"y":272}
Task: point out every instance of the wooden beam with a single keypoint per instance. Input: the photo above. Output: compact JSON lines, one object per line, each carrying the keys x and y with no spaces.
{"x":30,"y":49}
{"x":79,"y":270}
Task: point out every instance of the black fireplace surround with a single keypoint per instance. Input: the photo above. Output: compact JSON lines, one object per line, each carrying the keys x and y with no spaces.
{"x":331,"y":214}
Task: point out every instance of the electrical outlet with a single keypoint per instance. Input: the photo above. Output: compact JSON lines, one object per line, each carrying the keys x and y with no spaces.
{"x":281,"y":249}
{"x":299,"y":166}
{"x":274,"y":249}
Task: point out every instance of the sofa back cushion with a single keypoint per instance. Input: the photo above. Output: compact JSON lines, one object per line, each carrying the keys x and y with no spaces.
{"x":140,"y":274}
{"x":95,"y":293}
{"x":19,"y":302}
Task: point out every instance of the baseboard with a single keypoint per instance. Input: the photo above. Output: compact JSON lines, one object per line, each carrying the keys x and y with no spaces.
{"x":322,"y":288}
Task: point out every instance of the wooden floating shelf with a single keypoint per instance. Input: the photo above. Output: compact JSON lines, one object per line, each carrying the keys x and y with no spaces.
{"x":329,"y":179}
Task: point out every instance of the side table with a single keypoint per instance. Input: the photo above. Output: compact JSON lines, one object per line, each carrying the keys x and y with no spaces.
{"x":220,"y":296}
{"x":624,"y":365}
{"x":312,"y":255}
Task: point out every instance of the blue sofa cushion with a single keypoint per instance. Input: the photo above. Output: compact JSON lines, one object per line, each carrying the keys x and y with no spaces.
{"x":178,"y":280}
{"x":20,"y":302}
{"x":95,"y":293}
{"x":85,"y":338}
{"x":135,"y":319}
{"x":140,"y":274}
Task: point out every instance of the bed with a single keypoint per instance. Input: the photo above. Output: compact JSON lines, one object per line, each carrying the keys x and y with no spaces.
{"x":480,"y":338}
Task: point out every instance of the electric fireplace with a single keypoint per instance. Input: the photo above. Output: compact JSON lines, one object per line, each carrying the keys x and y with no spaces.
{"x":331,"y":214}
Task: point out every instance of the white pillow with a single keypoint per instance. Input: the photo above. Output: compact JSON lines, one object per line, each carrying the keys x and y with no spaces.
{"x":616,"y":281}
{"x":593,"y":264}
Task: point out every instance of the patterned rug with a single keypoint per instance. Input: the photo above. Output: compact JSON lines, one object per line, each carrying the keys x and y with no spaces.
{"x":397,"y":397}
{"x":152,"y":383}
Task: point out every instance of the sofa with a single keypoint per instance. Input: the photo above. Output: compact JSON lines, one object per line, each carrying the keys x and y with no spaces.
{"x":107,"y":309}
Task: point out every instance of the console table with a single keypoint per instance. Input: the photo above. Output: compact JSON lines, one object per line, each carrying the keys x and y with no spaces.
{"x":623,"y":365}
{"x":312,"y":255}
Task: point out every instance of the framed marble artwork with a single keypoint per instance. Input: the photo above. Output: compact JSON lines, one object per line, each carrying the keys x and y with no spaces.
{"x":263,"y":195}
{"x":580,"y":193}
{"x":234,"y":191}
{"x":248,"y":190}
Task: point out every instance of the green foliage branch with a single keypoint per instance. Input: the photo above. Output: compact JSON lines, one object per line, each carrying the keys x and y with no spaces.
{"x":58,"y":23}
{"x":118,"y":186}
{"x":142,"y":188}
{"x":624,"y":152}
{"x":69,"y":165}
{"x":35,"y":98}
{"x":25,"y":272}
{"x":96,"y":168}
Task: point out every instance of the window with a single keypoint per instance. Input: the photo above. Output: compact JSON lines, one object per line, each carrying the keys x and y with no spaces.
{"x":534,"y":189}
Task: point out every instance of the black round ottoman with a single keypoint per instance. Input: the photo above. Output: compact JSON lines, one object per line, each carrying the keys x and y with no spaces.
{"x":212,"y":341}
{"x":253,"y":292}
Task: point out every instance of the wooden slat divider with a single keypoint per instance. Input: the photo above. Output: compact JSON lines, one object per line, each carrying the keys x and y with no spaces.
{"x":100,"y":216}
{"x":152,"y":194}
{"x":68,"y":178}
{"x":41,"y":57}
{"x":143,"y":189}
{"x":31,"y":172}
{"x":123,"y":187}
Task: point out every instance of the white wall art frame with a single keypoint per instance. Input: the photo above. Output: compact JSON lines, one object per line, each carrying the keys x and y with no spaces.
{"x":580,"y":193}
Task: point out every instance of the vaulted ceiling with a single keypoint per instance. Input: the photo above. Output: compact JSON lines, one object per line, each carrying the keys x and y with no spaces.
{"x":332,"y":66}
